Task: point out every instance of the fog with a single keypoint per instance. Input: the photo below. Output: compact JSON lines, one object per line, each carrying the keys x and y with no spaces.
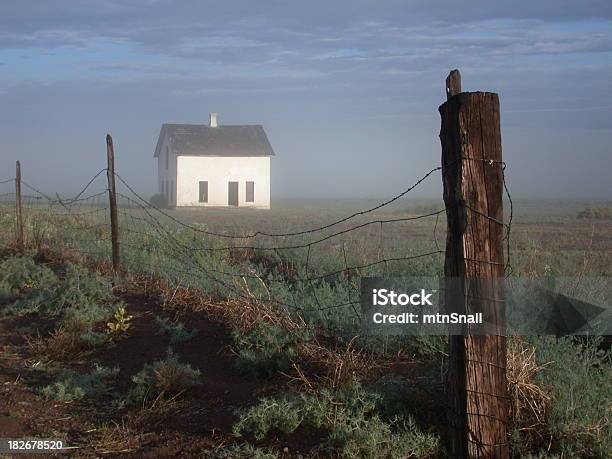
{"x":347,"y":92}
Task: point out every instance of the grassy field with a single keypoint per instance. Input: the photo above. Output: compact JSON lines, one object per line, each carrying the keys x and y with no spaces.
{"x":248,"y":346}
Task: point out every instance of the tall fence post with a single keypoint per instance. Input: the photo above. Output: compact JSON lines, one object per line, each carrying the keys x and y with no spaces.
{"x":472,"y":175}
{"x":18,"y":207}
{"x":112,"y":195}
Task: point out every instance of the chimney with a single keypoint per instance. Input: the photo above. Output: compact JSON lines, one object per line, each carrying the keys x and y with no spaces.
{"x":213,"y":119}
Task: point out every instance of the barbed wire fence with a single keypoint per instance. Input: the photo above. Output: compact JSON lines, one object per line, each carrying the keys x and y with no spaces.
{"x":313,"y":271}
{"x":151,"y":236}
{"x":157,"y":242}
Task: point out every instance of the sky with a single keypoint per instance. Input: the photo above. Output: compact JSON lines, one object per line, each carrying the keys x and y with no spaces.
{"x":347,"y":91}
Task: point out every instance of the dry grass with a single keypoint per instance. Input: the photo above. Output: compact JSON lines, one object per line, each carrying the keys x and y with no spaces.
{"x":333,"y":367}
{"x":331,"y":364}
{"x":62,"y":344}
{"x":117,"y":438}
{"x":529,"y":400}
{"x":155,"y":412}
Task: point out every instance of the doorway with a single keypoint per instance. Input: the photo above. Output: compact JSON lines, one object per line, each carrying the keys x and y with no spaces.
{"x":232,"y":195}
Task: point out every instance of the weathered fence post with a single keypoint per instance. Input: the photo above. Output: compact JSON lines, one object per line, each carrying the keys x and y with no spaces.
{"x":472,"y":175}
{"x":18,"y":208}
{"x":112,"y":195}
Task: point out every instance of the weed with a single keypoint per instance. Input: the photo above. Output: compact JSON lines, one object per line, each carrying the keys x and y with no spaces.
{"x":163,"y":379}
{"x":578,"y":379}
{"x":86,"y":313}
{"x":78,"y":289}
{"x":354,"y":429}
{"x":561,"y":394}
{"x":283,"y":414}
{"x":120,"y":324}
{"x":267,"y":348}
{"x":69,"y":385}
{"x":78,"y":300}
{"x":21,"y":273}
{"x":91,"y":339}
{"x":74,"y":334}
{"x":176,"y":330}
{"x":243,"y":451}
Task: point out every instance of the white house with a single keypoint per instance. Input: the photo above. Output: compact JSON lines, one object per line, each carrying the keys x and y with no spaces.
{"x":211,"y":165}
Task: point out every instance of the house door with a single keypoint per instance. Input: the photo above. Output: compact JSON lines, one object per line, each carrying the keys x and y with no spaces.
{"x":232,"y":196}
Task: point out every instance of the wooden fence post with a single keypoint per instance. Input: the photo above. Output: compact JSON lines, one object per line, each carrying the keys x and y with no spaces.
{"x":472,"y":175}
{"x":112,"y":195}
{"x":18,"y":208}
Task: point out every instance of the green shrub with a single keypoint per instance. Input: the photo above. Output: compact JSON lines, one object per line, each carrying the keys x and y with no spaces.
{"x":79,"y":289}
{"x":375,"y":438}
{"x":349,"y":416}
{"x":88,"y":313}
{"x":399,"y":398}
{"x":79,"y":299}
{"x":20,"y":273}
{"x":83,"y":318}
{"x":163,"y":378}
{"x":70,"y":385}
{"x":267,"y":348}
{"x":177,"y":331}
{"x":244,"y":451}
{"x":578,"y":380}
{"x":91,"y":339}
{"x":271,"y":414}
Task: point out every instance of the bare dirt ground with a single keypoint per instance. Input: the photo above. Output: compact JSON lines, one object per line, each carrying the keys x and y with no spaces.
{"x":202,"y":421}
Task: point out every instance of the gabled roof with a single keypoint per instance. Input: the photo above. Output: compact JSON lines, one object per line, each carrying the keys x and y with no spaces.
{"x":203,"y":140}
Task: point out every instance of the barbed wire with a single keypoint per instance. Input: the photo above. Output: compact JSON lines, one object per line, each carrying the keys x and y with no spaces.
{"x":80,"y":208}
{"x":153,"y":222}
{"x":69,"y":201}
{"x":288,"y":234}
{"x":154,"y":240}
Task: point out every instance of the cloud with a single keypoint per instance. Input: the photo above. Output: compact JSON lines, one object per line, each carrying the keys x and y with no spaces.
{"x":345,"y":73}
{"x":48,"y":38}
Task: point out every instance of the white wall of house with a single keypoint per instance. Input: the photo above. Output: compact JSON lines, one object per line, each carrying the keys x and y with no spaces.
{"x":218,"y":171}
{"x":166,"y":172}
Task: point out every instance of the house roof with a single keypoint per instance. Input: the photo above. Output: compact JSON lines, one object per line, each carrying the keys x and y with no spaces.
{"x":223,"y":140}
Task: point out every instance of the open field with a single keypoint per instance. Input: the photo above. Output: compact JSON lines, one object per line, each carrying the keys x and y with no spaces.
{"x":285,"y":230}
{"x":248,"y":346}
{"x":543,"y":233}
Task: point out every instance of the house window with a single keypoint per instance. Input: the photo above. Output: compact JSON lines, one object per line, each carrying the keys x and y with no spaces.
{"x":250,"y":191}
{"x":167,"y":160}
{"x":203,"y":194}
{"x":171,"y":190}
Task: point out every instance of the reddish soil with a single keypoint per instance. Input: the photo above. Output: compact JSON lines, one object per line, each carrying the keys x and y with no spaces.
{"x":202,"y":420}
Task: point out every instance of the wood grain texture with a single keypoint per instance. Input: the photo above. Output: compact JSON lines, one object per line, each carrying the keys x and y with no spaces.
{"x":18,"y":207}
{"x":453,"y":84}
{"x":473,"y":188}
{"x":112,"y":196}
